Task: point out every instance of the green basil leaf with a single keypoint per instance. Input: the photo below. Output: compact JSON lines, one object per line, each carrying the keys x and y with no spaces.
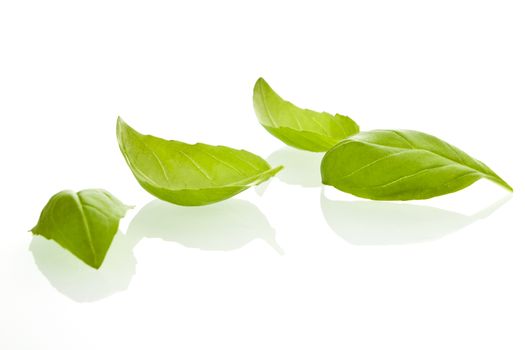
{"x":83,"y":223}
{"x":401,"y":165}
{"x":186,"y":174}
{"x":299,"y":128}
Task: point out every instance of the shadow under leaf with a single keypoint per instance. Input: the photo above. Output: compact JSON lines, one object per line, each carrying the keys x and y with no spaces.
{"x":300,"y":167}
{"x":364,"y":222}
{"x":222,"y":226}
{"x":78,"y":281}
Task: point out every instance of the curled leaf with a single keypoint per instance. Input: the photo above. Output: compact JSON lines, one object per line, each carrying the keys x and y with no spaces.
{"x":185,"y":174}
{"x":83,"y":223}
{"x":300,"y":128}
{"x":401,"y":165}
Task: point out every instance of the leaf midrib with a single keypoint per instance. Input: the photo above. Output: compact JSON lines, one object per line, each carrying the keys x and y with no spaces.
{"x":78,"y":202}
{"x":301,"y":128}
{"x":202,"y":171}
{"x":414,"y":149}
{"x":240,"y":183}
{"x":193,"y":162}
{"x":404,"y":177}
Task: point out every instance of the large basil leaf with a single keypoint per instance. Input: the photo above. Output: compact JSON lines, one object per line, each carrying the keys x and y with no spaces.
{"x":401,"y":165}
{"x":186,"y":174}
{"x":83,"y":223}
{"x":299,"y":128}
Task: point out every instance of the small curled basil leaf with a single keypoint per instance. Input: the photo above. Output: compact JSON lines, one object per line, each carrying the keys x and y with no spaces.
{"x":401,"y":165}
{"x":300,"y":128}
{"x":83,"y":223}
{"x":185,"y":174}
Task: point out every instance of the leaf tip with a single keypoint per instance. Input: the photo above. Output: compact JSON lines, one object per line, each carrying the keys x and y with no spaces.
{"x":260,"y":80}
{"x":260,"y":84}
{"x":277,"y":169}
{"x":273,"y":243}
{"x":96,"y":265}
{"x":498,"y":180}
{"x":120,"y":121}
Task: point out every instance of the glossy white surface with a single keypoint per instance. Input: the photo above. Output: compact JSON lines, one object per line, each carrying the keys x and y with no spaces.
{"x":291,"y":264}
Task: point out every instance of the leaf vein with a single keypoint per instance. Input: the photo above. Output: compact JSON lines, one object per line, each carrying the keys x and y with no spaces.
{"x":79,"y":203}
{"x":372,"y":163}
{"x":146,"y":146}
{"x":423,"y":150}
{"x":404,"y":138}
{"x":411,"y":175}
{"x":197,"y":166}
{"x":223,"y":162}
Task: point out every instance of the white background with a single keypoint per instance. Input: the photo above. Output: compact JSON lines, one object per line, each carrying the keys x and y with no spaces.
{"x":290,"y":265}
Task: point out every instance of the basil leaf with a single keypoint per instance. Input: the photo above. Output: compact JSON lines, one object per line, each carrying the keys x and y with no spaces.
{"x":83,"y":223}
{"x":401,"y":165}
{"x":299,"y":128}
{"x":186,"y":174}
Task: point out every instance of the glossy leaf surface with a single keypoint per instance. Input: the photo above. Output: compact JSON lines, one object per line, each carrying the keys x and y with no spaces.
{"x":300,"y":128}
{"x":401,"y":165}
{"x":83,"y":223}
{"x":186,"y":174}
